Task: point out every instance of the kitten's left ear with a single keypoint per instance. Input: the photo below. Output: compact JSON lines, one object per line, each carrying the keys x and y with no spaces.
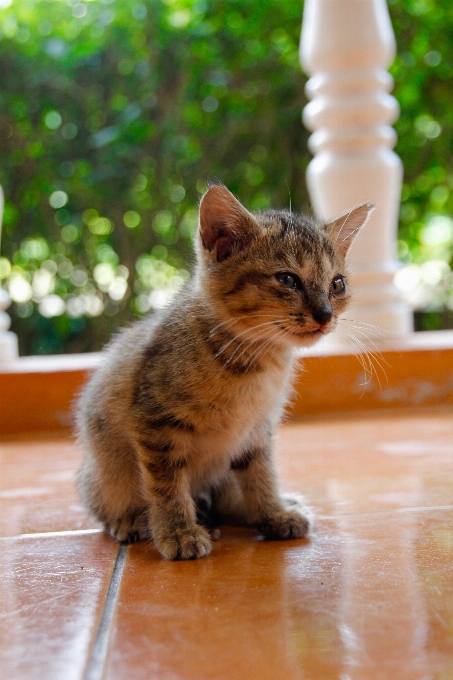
{"x":226,"y":227}
{"x":346,"y":227}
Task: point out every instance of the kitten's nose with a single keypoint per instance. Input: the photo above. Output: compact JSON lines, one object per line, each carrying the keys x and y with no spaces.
{"x":322,"y":315}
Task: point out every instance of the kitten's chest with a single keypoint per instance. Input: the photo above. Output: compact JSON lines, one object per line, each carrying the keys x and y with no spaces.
{"x":240,"y":407}
{"x":235,"y":426}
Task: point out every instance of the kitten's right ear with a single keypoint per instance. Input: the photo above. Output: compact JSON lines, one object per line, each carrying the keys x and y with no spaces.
{"x":225,"y":226}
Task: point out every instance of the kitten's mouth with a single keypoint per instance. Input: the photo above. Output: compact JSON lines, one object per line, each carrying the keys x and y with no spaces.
{"x":322,"y":330}
{"x":309,"y":334}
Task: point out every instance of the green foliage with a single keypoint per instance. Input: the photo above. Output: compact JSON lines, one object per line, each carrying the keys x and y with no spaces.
{"x":116,"y":113}
{"x":423,"y":72}
{"x":115,"y":116}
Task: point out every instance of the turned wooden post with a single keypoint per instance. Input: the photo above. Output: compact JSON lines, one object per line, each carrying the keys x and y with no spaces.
{"x":346,"y":46}
{"x":8,"y":341}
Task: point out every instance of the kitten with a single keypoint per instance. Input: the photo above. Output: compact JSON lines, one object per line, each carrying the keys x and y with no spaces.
{"x":178,"y":421}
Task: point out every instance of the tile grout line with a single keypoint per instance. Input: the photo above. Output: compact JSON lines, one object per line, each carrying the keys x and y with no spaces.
{"x":99,"y":651}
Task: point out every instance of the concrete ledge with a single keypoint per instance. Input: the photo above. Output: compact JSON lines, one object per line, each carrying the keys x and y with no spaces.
{"x":409,"y":372}
{"x":37,"y":393}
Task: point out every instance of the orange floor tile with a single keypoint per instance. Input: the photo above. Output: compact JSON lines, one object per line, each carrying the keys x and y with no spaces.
{"x":53,"y":592}
{"x":369,"y":596}
{"x":37,"y":490}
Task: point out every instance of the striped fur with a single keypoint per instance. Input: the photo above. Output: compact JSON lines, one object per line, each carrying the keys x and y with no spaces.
{"x":178,"y":421}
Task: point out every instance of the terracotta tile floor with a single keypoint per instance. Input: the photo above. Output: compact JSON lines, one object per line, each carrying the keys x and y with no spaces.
{"x":368,"y":597}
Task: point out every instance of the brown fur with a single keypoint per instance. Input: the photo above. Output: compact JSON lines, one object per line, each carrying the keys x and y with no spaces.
{"x":177,"y":423}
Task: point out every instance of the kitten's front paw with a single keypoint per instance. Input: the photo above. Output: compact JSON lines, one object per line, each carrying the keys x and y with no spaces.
{"x":284,"y":525}
{"x":185,"y":544}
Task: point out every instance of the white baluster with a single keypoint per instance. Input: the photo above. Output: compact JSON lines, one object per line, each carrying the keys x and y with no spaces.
{"x":8,"y":341}
{"x":346,"y":46}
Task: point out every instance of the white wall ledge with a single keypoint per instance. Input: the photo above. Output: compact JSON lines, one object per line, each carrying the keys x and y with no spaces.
{"x":421,"y":341}
{"x":53,"y":363}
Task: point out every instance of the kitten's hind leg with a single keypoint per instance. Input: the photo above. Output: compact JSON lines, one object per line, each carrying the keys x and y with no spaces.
{"x":228,"y":506}
{"x":208,"y":515}
{"x":109,"y":483}
{"x":131,"y":527}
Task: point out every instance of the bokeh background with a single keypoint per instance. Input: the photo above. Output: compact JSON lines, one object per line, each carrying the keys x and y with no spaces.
{"x":115,"y":113}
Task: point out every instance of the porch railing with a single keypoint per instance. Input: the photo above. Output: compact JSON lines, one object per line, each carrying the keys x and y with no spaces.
{"x":346,"y":46}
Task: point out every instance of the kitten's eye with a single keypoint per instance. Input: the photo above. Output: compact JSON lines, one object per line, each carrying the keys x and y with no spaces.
{"x":338,"y":286}
{"x":289,"y":280}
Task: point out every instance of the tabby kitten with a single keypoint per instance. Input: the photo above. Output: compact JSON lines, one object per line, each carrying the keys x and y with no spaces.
{"x":178,"y":421}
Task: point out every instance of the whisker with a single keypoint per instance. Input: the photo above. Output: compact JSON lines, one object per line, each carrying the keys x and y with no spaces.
{"x":364,"y":351}
{"x":244,"y":332}
{"x":362,"y":358}
{"x":269,"y":340}
{"x":250,"y":337}
{"x":377,"y":355}
{"x":239,"y":318}
{"x":378,"y":331}
{"x":378,"y":352}
{"x":359,"y":355}
{"x":384,"y":331}
{"x":371,"y":358}
{"x":267,"y":346}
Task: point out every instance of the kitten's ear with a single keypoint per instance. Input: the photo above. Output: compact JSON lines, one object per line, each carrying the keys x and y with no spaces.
{"x":346,"y":227}
{"x":226,"y":227}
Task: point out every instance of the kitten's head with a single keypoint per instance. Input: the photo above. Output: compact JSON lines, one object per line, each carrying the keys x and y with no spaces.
{"x":280,"y":275}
